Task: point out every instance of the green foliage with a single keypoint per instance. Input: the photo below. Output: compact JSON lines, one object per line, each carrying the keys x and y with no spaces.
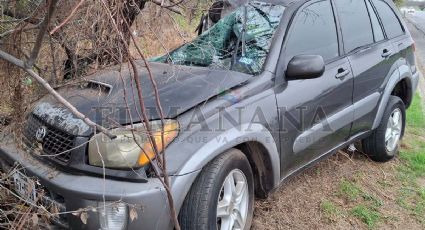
{"x":415,"y":114}
{"x":399,"y":2}
{"x":329,"y":209}
{"x":369,"y":216}
{"x":422,"y":193}
{"x":412,"y":196}
{"x":349,"y":189}
{"x":415,"y":161}
{"x":376,"y":202}
{"x":184,"y":24}
{"x":413,"y":200}
{"x":414,"y":156}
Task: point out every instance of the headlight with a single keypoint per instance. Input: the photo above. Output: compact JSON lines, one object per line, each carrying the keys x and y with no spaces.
{"x":124,"y":151}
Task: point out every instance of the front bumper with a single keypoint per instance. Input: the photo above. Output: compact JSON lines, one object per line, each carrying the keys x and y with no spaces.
{"x":86,"y":192}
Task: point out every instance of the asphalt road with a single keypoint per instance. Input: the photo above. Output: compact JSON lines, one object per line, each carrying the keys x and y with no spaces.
{"x":416,"y":25}
{"x":418,"y":18}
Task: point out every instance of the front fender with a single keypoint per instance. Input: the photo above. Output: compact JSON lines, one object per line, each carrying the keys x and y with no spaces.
{"x":188,"y":172}
{"x":231,"y":138}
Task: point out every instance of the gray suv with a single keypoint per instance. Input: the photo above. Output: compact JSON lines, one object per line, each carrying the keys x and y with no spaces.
{"x":267,"y":89}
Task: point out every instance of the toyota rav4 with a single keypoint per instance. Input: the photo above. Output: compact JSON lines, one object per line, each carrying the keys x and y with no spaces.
{"x":268,"y":88}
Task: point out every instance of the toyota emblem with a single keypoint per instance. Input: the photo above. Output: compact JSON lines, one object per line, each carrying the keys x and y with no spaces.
{"x":41,"y":133}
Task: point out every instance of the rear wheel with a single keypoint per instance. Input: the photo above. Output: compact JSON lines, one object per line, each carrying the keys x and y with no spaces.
{"x":222,"y":196}
{"x":384,"y":142}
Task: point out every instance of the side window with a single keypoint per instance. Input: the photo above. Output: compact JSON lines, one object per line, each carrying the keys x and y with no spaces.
{"x":355,"y":24}
{"x":377,"y":30}
{"x":389,"y":19}
{"x":314,"y":32}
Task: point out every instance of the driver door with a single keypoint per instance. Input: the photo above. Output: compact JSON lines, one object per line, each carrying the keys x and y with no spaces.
{"x":315,"y":114}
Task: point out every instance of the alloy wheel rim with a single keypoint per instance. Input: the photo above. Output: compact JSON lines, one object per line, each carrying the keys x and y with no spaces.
{"x":393,"y":131}
{"x":233,"y":202}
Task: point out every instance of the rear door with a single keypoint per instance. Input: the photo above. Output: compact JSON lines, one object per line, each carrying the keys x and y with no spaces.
{"x":371,"y":57}
{"x":315,"y":113}
{"x":395,"y":32}
{"x":392,"y":26}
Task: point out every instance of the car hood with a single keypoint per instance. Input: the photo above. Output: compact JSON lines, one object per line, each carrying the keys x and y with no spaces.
{"x":104,"y":97}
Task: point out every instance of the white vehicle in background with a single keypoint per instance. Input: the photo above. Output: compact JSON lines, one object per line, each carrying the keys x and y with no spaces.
{"x":411,"y":11}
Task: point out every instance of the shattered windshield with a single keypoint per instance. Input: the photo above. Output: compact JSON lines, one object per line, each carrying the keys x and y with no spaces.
{"x":239,"y":41}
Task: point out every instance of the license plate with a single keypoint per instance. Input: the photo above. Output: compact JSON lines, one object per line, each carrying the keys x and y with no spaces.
{"x":25,"y":187}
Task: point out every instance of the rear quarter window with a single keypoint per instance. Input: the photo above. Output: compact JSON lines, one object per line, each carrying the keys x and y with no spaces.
{"x":355,"y":24}
{"x":392,"y":25}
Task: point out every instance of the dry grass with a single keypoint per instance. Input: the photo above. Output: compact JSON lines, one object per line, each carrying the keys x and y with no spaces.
{"x":298,"y":204}
{"x":159,"y":35}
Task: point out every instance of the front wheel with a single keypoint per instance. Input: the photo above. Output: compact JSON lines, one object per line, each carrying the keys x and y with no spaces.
{"x":222,"y":196}
{"x":384,"y":142}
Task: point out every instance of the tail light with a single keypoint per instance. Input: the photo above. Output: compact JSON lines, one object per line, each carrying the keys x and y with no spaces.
{"x":414,"y":47}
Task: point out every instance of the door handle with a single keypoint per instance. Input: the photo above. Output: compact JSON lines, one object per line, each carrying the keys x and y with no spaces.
{"x":386,"y":53}
{"x":342,"y":73}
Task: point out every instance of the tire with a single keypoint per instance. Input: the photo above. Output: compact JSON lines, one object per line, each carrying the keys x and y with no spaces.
{"x":199,"y":210}
{"x":377,"y":146}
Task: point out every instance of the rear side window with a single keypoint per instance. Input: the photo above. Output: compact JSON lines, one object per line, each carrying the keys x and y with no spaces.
{"x":314,"y":32}
{"x":377,"y":30}
{"x":355,"y":24}
{"x":389,"y":19}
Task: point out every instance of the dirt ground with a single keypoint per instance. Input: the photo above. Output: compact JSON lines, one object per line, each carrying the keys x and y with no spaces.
{"x":298,"y":204}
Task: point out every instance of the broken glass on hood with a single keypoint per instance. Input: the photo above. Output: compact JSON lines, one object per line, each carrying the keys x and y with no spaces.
{"x":240,"y":41}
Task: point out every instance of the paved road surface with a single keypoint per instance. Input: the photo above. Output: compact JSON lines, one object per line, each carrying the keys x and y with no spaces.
{"x":418,"y":18}
{"x":416,"y":24}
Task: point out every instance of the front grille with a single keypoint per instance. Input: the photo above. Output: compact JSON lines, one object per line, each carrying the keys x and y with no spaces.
{"x":56,"y":143}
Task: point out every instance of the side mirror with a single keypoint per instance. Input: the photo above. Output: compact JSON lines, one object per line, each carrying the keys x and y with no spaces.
{"x":305,"y":67}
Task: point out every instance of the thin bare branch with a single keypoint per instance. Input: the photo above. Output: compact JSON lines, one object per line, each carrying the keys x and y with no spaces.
{"x":165,"y":181}
{"x":161,"y":114}
{"x":74,"y":10}
{"x":172,"y":8}
{"x":31,"y":27}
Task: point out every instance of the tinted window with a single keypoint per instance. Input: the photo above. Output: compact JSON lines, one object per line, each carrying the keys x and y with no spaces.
{"x":355,"y":24}
{"x":391,"y":24}
{"x":314,"y":32}
{"x":377,"y":30}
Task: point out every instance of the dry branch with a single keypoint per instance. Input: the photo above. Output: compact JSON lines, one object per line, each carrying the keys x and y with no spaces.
{"x":68,"y":18}
{"x":165,"y":179}
{"x":172,"y":8}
